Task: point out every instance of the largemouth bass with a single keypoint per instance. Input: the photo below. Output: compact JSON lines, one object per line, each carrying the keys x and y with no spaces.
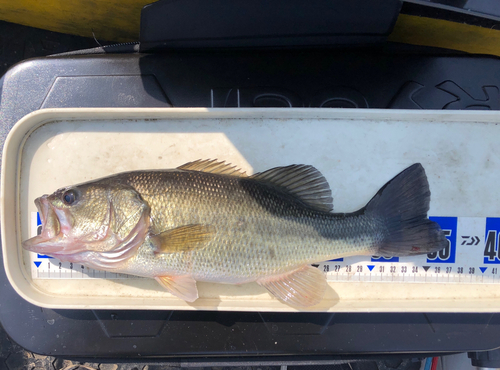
{"x":207,"y":221}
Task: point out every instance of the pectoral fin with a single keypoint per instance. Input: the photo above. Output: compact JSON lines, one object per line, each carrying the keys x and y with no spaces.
{"x":182,"y":239}
{"x":304,"y":287}
{"x":183,"y":287}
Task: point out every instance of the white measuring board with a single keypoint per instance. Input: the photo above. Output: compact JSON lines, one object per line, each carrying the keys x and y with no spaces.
{"x":472,"y":256}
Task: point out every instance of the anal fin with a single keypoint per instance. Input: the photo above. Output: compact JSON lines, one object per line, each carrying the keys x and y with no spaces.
{"x":183,"y":287}
{"x":304,"y":287}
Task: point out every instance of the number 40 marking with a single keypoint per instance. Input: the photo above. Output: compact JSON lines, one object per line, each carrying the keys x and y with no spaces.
{"x":491,"y":249}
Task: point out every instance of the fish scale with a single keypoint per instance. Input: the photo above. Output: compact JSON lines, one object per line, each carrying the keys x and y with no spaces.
{"x":242,"y":252}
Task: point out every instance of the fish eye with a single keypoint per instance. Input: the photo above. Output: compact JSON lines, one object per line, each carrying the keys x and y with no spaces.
{"x":69,"y":197}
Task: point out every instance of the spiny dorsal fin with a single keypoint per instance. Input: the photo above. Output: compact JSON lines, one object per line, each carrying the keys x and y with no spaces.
{"x":213,"y":166}
{"x":302,"y":181}
{"x":182,"y":239}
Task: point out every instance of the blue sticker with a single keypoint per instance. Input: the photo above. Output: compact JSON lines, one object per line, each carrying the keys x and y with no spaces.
{"x":43,"y":256}
{"x":370,"y":267}
{"x":37,"y":264}
{"x":449,"y":227}
{"x":39,"y":231}
{"x":492,"y":232}
{"x":483,"y":269}
{"x":384,"y":259}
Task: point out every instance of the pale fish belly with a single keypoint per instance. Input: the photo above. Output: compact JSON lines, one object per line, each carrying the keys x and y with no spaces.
{"x":237,"y":256}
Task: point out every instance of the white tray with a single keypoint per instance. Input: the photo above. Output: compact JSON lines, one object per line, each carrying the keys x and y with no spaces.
{"x":358,"y":151}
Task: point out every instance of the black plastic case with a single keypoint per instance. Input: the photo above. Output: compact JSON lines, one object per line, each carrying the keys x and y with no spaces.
{"x":354,"y":78}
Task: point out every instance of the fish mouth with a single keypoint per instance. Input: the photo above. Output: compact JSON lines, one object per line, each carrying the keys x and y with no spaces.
{"x":50,"y":240}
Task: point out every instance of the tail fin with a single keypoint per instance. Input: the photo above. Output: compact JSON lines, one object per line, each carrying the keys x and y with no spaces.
{"x":403,"y":204}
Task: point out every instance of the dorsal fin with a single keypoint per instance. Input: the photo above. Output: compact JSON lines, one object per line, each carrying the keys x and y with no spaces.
{"x":213,"y":166}
{"x":302,"y":181}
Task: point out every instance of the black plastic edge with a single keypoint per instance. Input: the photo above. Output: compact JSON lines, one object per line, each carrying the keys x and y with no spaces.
{"x":171,"y":24}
